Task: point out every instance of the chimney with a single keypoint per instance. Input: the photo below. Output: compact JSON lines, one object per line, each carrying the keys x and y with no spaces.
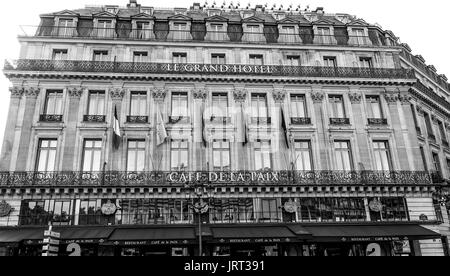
{"x":320,"y":10}
{"x":196,"y":6}
{"x":133,"y":4}
{"x":259,"y":8}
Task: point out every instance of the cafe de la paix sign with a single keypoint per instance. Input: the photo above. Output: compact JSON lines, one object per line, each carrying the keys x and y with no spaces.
{"x":220,"y":177}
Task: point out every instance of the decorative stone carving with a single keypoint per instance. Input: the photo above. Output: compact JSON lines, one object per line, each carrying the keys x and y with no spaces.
{"x":117,"y":93}
{"x":355,"y":98}
{"x":447,"y":126}
{"x":16,"y":91}
{"x":419,"y":110}
{"x":200,"y":94}
{"x":75,"y":92}
{"x":279,"y":95}
{"x":159,"y":93}
{"x":434,"y":118}
{"x":317,"y":97}
{"x":32,"y":92}
{"x":240,"y":95}
{"x":405,"y":98}
{"x":391,"y":98}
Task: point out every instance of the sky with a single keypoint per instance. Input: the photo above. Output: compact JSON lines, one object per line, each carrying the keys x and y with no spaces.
{"x":422,"y":24}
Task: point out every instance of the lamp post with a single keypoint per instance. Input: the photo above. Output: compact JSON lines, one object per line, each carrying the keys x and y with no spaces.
{"x":200,"y":207}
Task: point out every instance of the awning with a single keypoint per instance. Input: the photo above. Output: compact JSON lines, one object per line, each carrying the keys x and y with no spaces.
{"x":253,"y":234}
{"x":16,"y":235}
{"x":153,"y":236}
{"x":352,"y":233}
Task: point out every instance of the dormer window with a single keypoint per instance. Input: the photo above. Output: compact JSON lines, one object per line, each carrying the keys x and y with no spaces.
{"x":111,"y":10}
{"x":217,"y":31}
{"x":104,"y":28}
{"x":179,"y":28}
{"x":65,"y":27}
{"x":279,"y":16}
{"x":253,"y":33}
{"x":288,"y":34}
{"x":359,"y":36}
{"x":143,"y":30}
{"x":324,"y":35}
{"x":213,"y":12}
{"x":147,"y":11}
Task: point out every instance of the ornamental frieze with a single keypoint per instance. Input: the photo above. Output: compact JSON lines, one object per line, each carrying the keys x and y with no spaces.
{"x":240,"y":95}
{"x":16,"y":91}
{"x":317,"y":97}
{"x":279,"y":95}
{"x":200,"y":94}
{"x":405,"y":98}
{"x":32,"y":92}
{"x":75,"y":92}
{"x":117,"y":93}
{"x":391,"y":98}
{"x":159,"y":93}
{"x":355,"y":98}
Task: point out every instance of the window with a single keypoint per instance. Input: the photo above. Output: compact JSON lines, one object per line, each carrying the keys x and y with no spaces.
{"x":298,"y":106}
{"x":179,"y":57}
{"x":332,"y":209}
{"x":65,"y":27}
{"x":359,"y":36}
{"x":287,"y":34}
{"x":269,"y":210}
{"x":179,"y":155}
{"x":343,"y":156}
{"x":416,"y":124}
{"x":60,"y":54}
{"x":219,"y":105}
{"x":138,"y":104}
{"x":259,"y":106}
{"x":41,"y":212}
{"x":263,"y":158}
{"x":90,"y":212}
{"x":179,"y":26}
{"x":136,"y":156}
{"x":104,"y":28}
{"x":96,"y":103}
{"x":293,"y":60}
{"x":382,"y":156}
{"x":53,"y":103}
{"x":374,"y":107}
{"x":429,"y":126}
{"x":365,"y":62}
{"x":100,"y":55}
{"x":324,"y":35}
{"x":231,"y":210}
{"x":424,"y":160}
{"x":179,"y":104}
{"x":221,"y":155}
{"x":393,"y":209}
{"x":140,"y":56}
{"x":46,"y":156}
{"x":448,"y":165}
{"x":256,"y":59}
{"x":436,"y":163}
{"x":218,"y":58}
{"x":329,"y":61}
{"x":442,"y":131}
{"x":217,"y":31}
{"x":303,"y":160}
{"x":253,"y":28}
{"x":143,"y":30}
{"x":337,"y":106}
{"x":92,"y":151}
{"x":180,"y":31}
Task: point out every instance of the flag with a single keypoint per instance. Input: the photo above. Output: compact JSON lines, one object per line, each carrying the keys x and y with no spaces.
{"x":244,"y":119}
{"x":283,"y":125}
{"x":116,"y":130}
{"x":161,"y":132}
{"x":203,"y":128}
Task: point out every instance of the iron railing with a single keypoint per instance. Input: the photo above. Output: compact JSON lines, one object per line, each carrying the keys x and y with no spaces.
{"x":137,"y":119}
{"x":220,"y":120}
{"x":94,"y":118}
{"x":186,"y":179}
{"x":50,"y":118}
{"x":300,"y":121}
{"x":433,"y":95}
{"x":339,"y":121}
{"x":377,"y":121}
{"x":205,"y":69}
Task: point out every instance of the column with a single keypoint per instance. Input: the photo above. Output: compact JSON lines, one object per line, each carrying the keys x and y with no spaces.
{"x":157,"y":157}
{"x":240,"y":96}
{"x":361,"y":133}
{"x":200,"y":152}
{"x":70,"y":135}
{"x":322,"y":123}
{"x":409,"y":131}
{"x":114,"y":163}
{"x":282,"y":158}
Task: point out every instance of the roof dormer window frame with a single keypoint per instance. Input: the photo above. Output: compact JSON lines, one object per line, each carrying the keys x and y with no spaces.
{"x":213,"y":32}
{"x":100,"y":28}
{"x":68,"y":30}
{"x":147,"y":10}
{"x":355,"y":38}
{"x":175,"y":33}
{"x":293,"y":35}
{"x":214,"y":12}
{"x":142,"y":26}
{"x":321,"y":37}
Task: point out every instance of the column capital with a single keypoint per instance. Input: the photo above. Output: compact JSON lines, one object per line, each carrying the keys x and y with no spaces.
{"x":117,"y":93}
{"x":240,"y":95}
{"x":355,"y":98}
{"x":16,"y":91}
{"x":75,"y":92}
{"x":405,"y":98}
{"x":317,"y":97}
{"x":391,"y":98}
{"x":200,"y":94}
{"x":159,"y":94}
{"x":278,"y":95}
{"x":31,"y":91}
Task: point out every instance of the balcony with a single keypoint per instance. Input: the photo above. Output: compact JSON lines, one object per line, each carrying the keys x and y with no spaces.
{"x":215,"y":178}
{"x":94,"y":118}
{"x":85,"y":66}
{"x":261,"y":120}
{"x":300,"y":121}
{"x":339,"y":121}
{"x":220,"y":120}
{"x":431,"y":94}
{"x":377,"y":122}
{"x":137,"y":119}
{"x":179,"y":120}
{"x":48,"y":118}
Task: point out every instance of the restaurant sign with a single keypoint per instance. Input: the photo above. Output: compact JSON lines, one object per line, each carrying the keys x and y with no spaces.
{"x":220,"y":177}
{"x":369,"y":239}
{"x":154,"y":242}
{"x":256,"y":240}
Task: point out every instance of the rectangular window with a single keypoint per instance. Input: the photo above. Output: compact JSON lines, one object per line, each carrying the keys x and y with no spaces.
{"x":382,"y":156}
{"x":179,"y":26}
{"x":269,"y":210}
{"x":424,"y":160}
{"x":179,"y":104}
{"x":259,"y":105}
{"x":442,"y":131}
{"x":448,"y":165}
{"x":254,"y":29}
{"x":324,"y":35}
{"x":303,"y":156}
{"x":298,"y":106}
{"x":436,"y":162}
{"x":53,"y":103}
{"x":41,"y":212}
{"x":428,"y":125}
{"x":293,"y":60}
{"x":217,"y":32}
{"x":92,"y":152}
{"x":359,"y":35}
{"x":218,"y":58}
{"x":65,"y":27}
{"x":332,"y":209}
{"x":343,"y":154}
{"x":138,"y":104}
{"x":330,"y":62}
{"x":374,"y":107}
{"x":263,"y":157}
{"x":219,"y":105}
{"x":59,"y":54}
{"x":136,"y":156}
{"x":46,"y":155}
{"x":104,"y":28}
{"x":179,"y":57}
{"x":101,"y":56}
{"x":287,"y":34}
{"x":337,"y":106}
{"x":416,"y":124}
{"x":365,"y":62}
{"x":256,"y":59}
{"x":96,"y":105}
{"x":179,"y":155}
{"x":391,"y":209}
{"x":140,"y":56}
{"x":221,"y":155}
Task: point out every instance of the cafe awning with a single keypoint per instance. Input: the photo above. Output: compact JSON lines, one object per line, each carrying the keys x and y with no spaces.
{"x":390,"y":232}
{"x":249,"y":234}
{"x":16,"y":235}
{"x":153,"y":236}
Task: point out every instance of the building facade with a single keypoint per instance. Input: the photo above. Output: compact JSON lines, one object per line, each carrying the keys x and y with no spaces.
{"x":243,"y":132}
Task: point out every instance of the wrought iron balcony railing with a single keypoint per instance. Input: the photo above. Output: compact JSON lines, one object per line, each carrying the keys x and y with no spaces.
{"x":339,"y":121}
{"x":430,"y":93}
{"x":377,"y":121}
{"x":220,"y":120}
{"x":300,"y":121}
{"x":261,"y":120}
{"x":215,"y":178}
{"x":137,"y":119}
{"x":94,"y":118}
{"x":205,"y":69}
{"x":179,"y":119}
{"x":50,"y":118}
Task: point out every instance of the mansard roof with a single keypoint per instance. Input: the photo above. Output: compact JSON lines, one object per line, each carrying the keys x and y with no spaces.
{"x":253,"y":19}
{"x":180,"y":17}
{"x":358,"y":22}
{"x":142,"y":16}
{"x":217,"y":18}
{"x":288,"y":20}
{"x":65,"y":13}
{"x":104,"y":14}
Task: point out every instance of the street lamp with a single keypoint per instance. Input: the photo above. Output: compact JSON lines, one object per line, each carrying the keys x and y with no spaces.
{"x":200,"y":207}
